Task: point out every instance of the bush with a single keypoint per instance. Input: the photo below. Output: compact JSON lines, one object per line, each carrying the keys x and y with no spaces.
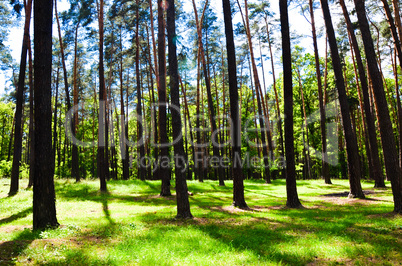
{"x":5,"y":168}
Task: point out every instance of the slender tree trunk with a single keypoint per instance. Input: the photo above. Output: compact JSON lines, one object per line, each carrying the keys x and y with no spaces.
{"x":141,"y":167}
{"x":237,"y":171}
{"x":291,"y":189}
{"x":123,"y":133}
{"x":260,"y":98}
{"x":55,"y":113}
{"x":397,"y":12}
{"x":278,"y":115}
{"x":189,"y":122}
{"x":198,"y":167}
{"x":214,"y":135}
{"x":44,"y":207}
{"x":392,"y":26}
{"x":102,"y":161}
{"x":387,"y":138}
{"x":369,"y":121}
{"x":350,"y":135}
{"x":163,"y":139}
{"x":363,"y":120}
{"x":398,"y":101}
{"x":183,"y":205}
{"x":31,"y":118}
{"x":15,"y":170}
{"x":75,"y":170}
{"x":63,"y":60}
{"x":306,"y":142}
{"x":324,"y":159}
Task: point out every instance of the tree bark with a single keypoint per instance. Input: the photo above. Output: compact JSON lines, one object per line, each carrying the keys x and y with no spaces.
{"x":163,"y":139}
{"x":324,"y":159}
{"x":124,"y":125}
{"x":352,"y":152}
{"x":369,"y":121}
{"x":214,"y":135}
{"x":102,"y":161}
{"x":387,"y":138}
{"x":237,"y":171}
{"x":75,"y":170}
{"x":264,"y":124}
{"x":183,"y":204}
{"x":31,"y":118}
{"x":141,"y":167}
{"x":291,"y":188}
{"x":15,"y":170}
{"x":44,"y":207}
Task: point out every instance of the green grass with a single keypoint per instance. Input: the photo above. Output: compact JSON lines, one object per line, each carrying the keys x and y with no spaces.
{"x":131,"y":225}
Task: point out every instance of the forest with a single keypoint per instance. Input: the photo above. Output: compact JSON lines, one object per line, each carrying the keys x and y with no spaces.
{"x":152,"y":101}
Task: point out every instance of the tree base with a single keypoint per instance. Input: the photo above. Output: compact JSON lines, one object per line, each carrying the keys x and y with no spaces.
{"x":240,"y":205}
{"x":357,"y":196}
{"x":184,"y":216}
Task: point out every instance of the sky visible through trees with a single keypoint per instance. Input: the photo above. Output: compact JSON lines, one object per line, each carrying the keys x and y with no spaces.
{"x":298,"y":23}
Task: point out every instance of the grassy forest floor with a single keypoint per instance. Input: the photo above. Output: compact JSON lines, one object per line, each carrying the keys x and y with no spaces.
{"x":132,"y":225}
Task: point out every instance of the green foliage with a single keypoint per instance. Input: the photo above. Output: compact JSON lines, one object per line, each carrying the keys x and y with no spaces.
{"x":5,"y":168}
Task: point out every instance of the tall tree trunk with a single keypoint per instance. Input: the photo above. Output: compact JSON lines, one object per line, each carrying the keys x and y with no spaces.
{"x":237,"y":171}
{"x":397,"y":12}
{"x":350,"y":135}
{"x":141,"y":167}
{"x":44,"y":207}
{"x":123,"y":131}
{"x":183,"y":204}
{"x":189,"y":123}
{"x":102,"y":161}
{"x":399,"y":107}
{"x":163,"y":139}
{"x":15,"y":170}
{"x":75,"y":170}
{"x":214,"y":135}
{"x":31,"y":118}
{"x":55,"y":113}
{"x":199,"y":168}
{"x":278,"y":112}
{"x":387,"y":138}
{"x":260,"y":97}
{"x":362,"y":119}
{"x":63,"y":58}
{"x":369,"y":121}
{"x":324,"y":158}
{"x":291,"y":189}
{"x":306,"y":143}
{"x":392,"y":26}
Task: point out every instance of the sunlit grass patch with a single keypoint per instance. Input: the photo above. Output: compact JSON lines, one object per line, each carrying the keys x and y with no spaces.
{"x":133,"y":225}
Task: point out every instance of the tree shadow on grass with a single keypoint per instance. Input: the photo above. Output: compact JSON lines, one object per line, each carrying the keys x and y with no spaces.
{"x":360,"y":238}
{"x":240,"y":237}
{"x":83,"y":192}
{"x":10,"y":250}
{"x":16,"y":216}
